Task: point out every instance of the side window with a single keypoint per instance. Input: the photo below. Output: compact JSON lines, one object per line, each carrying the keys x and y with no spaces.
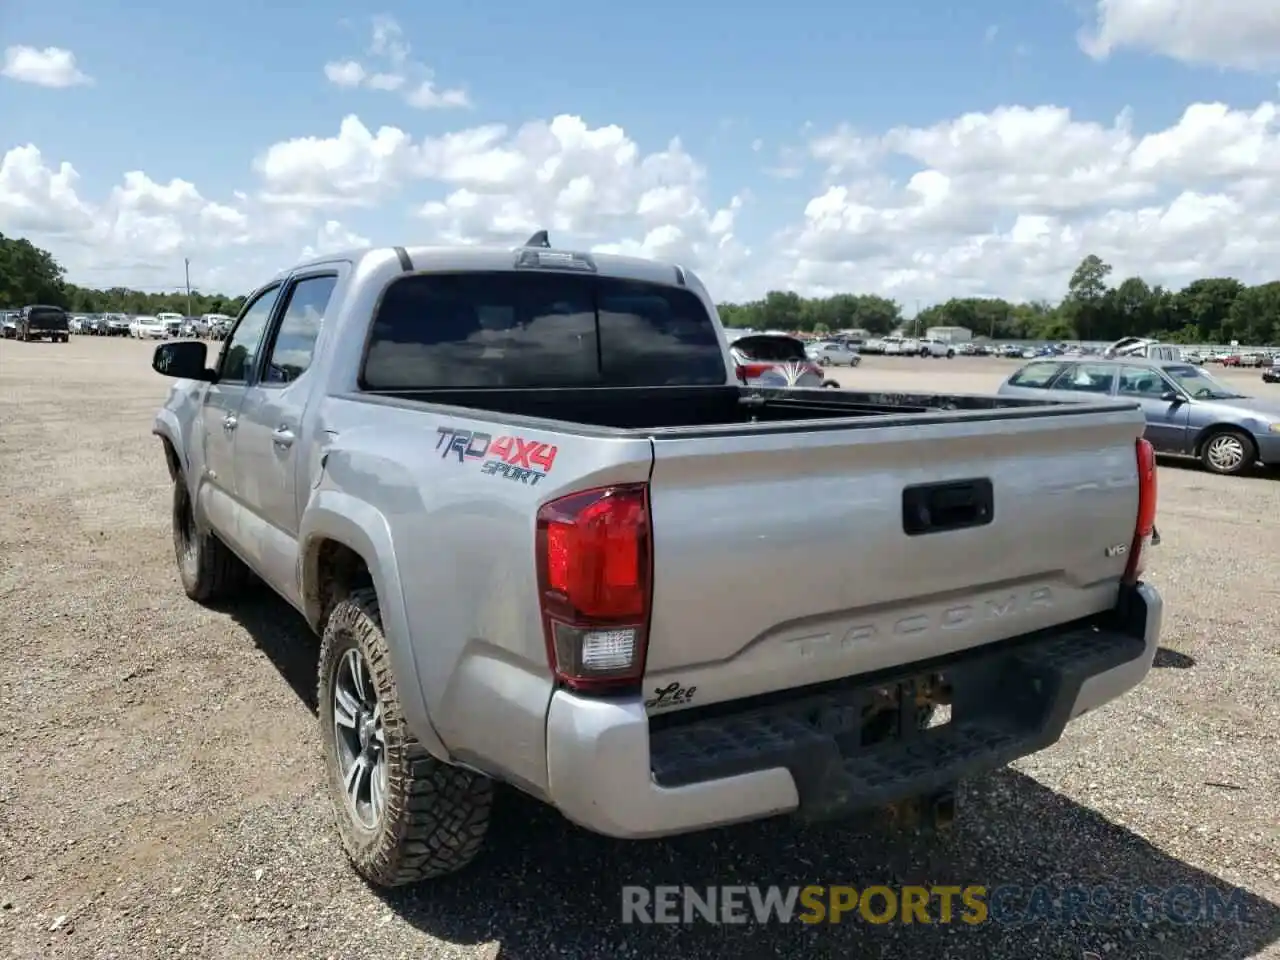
{"x":1086,"y":378}
{"x":1142,"y":382}
{"x":1035,"y":376}
{"x":295,"y":338}
{"x":241,"y":350}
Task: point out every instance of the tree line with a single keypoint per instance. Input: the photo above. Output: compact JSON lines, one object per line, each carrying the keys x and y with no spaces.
{"x":30,"y":275}
{"x":1212,"y":310}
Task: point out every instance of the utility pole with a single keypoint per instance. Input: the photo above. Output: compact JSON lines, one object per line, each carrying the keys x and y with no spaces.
{"x":186,"y":264}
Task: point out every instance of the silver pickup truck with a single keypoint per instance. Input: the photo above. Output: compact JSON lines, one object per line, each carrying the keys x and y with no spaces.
{"x":548,"y":538}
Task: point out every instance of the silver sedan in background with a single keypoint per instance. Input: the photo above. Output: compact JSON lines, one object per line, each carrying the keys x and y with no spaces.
{"x":1189,"y":413}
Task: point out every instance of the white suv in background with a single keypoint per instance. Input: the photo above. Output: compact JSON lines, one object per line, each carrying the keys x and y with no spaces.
{"x":937,"y":348}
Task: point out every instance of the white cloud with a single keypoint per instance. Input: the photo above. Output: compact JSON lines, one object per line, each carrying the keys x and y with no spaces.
{"x":394,"y":70}
{"x":591,"y":185}
{"x":333,"y":237}
{"x":344,"y":73}
{"x":1005,"y":202}
{"x":50,"y":67}
{"x":1242,"y":34}
{"x":141,"y":230}
{"x":1008,"y":202}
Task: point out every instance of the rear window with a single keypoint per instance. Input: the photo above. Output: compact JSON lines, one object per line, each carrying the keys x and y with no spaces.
{"x":47,"y":315}
{"x":771,"y":349}
{"x":517,"y":329}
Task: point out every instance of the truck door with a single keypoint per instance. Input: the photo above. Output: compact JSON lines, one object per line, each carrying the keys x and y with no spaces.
{"x":218,"y":497}
{"x":269,"y":437}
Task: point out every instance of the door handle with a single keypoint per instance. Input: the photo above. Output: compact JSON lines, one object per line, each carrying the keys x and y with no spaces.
{"x":282,"y":437}
{"x":229,"y":423}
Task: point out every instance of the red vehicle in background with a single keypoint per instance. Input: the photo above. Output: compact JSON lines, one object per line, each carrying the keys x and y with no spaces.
{"x":776,"y":360}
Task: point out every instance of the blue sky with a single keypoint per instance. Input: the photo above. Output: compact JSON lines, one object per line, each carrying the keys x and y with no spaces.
{"x":197,"y":92}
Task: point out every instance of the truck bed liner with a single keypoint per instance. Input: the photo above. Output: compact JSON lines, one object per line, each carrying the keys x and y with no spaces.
{"x":684,"y":408}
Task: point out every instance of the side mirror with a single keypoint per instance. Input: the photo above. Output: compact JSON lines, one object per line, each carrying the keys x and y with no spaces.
{"x":1171,"y":396}
{"x":183,"y":360}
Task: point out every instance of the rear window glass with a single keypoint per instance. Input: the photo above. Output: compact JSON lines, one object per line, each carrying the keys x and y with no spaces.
{"x":518,"y":329}
{"x":772,"y":350}
{"x":46,"y":314}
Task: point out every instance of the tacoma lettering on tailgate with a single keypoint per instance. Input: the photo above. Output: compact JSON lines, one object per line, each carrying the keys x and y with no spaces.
{"x":956,"y":617}
{"x":515,"y":458}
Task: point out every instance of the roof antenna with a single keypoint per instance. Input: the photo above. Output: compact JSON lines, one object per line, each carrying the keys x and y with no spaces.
{"x":539,"y":239}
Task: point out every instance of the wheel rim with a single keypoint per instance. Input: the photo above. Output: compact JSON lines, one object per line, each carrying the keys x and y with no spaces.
{"x":1226,"y":452}
{"x":361,"y":740}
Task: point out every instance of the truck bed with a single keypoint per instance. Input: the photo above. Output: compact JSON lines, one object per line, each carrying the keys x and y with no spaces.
{"x":684,"y":410}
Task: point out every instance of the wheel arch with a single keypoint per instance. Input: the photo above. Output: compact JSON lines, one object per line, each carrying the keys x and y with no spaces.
{"x":345,"y":543}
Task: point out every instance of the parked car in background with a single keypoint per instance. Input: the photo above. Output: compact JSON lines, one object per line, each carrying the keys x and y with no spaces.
{"x":1188,"y":412}
{"x":172,"y":323}
{"x":149,"y":328}
{"x":9,"y":326}
{"x":40,"y":322}
{"x":775,"y":360}
{"x":932,"y":347}
{"x":1271,"y":374}
{"x":117,"y":326}
{"x":833,"y":352}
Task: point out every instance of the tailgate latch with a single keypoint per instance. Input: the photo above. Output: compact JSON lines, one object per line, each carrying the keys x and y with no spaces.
{"x":952,"y":505}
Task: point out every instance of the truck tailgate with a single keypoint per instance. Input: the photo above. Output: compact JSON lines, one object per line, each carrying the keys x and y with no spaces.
{"x":783,"y":558}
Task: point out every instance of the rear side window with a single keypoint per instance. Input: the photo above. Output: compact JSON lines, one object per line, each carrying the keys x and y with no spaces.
{"x":1087,"y":378}
{"x":1034,"y":375}
{"x":517,"y":329}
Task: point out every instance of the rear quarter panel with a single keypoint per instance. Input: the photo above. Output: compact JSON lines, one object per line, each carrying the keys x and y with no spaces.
{"x":460,"y":525}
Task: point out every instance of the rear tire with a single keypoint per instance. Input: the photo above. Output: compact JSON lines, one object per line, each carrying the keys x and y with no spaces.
{"x":1228,"y":452}
{"x":209,"y":571}
{"x":421,"y":818}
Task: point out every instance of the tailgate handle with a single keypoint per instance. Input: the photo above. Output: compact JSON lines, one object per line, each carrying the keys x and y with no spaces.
{"x":955,"y":505}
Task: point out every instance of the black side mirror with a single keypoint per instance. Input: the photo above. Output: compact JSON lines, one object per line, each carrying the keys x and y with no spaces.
{"x":183,"y":360}
{"x":1171,"y":396}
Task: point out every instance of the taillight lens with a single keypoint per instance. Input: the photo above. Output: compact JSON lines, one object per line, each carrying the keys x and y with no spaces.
{"x":749,"y":371}
{"x":595,"y":571}
{"x":1146,"y":521}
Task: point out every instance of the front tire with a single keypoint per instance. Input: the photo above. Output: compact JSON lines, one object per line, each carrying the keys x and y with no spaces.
{"x":402,"y":815}
{"x":1228,"y":452}
{"x":209,"y":571}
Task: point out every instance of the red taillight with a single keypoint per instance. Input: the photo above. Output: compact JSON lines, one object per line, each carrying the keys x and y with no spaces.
{"x":1146,"y":521}
{"x":750,"y":371}
{"x":594,"y":578}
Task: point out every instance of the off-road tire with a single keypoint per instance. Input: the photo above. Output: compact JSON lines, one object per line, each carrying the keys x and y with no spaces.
{"x":1245,"y":464}
{"x":436,"y":815}
{"x":209,"y":571}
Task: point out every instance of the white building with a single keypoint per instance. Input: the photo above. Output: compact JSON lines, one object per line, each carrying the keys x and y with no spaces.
{"x":950,"y":334}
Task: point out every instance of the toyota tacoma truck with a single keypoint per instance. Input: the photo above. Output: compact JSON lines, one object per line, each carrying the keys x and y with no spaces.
{"x":549,"y":538}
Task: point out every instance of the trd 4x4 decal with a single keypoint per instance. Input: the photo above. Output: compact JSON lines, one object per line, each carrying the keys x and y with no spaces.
{"x":514,"y":458}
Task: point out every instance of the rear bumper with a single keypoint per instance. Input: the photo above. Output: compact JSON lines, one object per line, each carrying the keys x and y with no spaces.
{"x":613,"y":772}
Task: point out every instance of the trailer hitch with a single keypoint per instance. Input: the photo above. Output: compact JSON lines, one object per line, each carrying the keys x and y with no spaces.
{"x":930,"y":811}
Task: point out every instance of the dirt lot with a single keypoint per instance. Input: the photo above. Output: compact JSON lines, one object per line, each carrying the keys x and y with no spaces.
{"x":161,"y":792}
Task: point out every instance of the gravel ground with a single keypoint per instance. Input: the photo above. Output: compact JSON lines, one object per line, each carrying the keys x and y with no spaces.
{"x":162,"y":789}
